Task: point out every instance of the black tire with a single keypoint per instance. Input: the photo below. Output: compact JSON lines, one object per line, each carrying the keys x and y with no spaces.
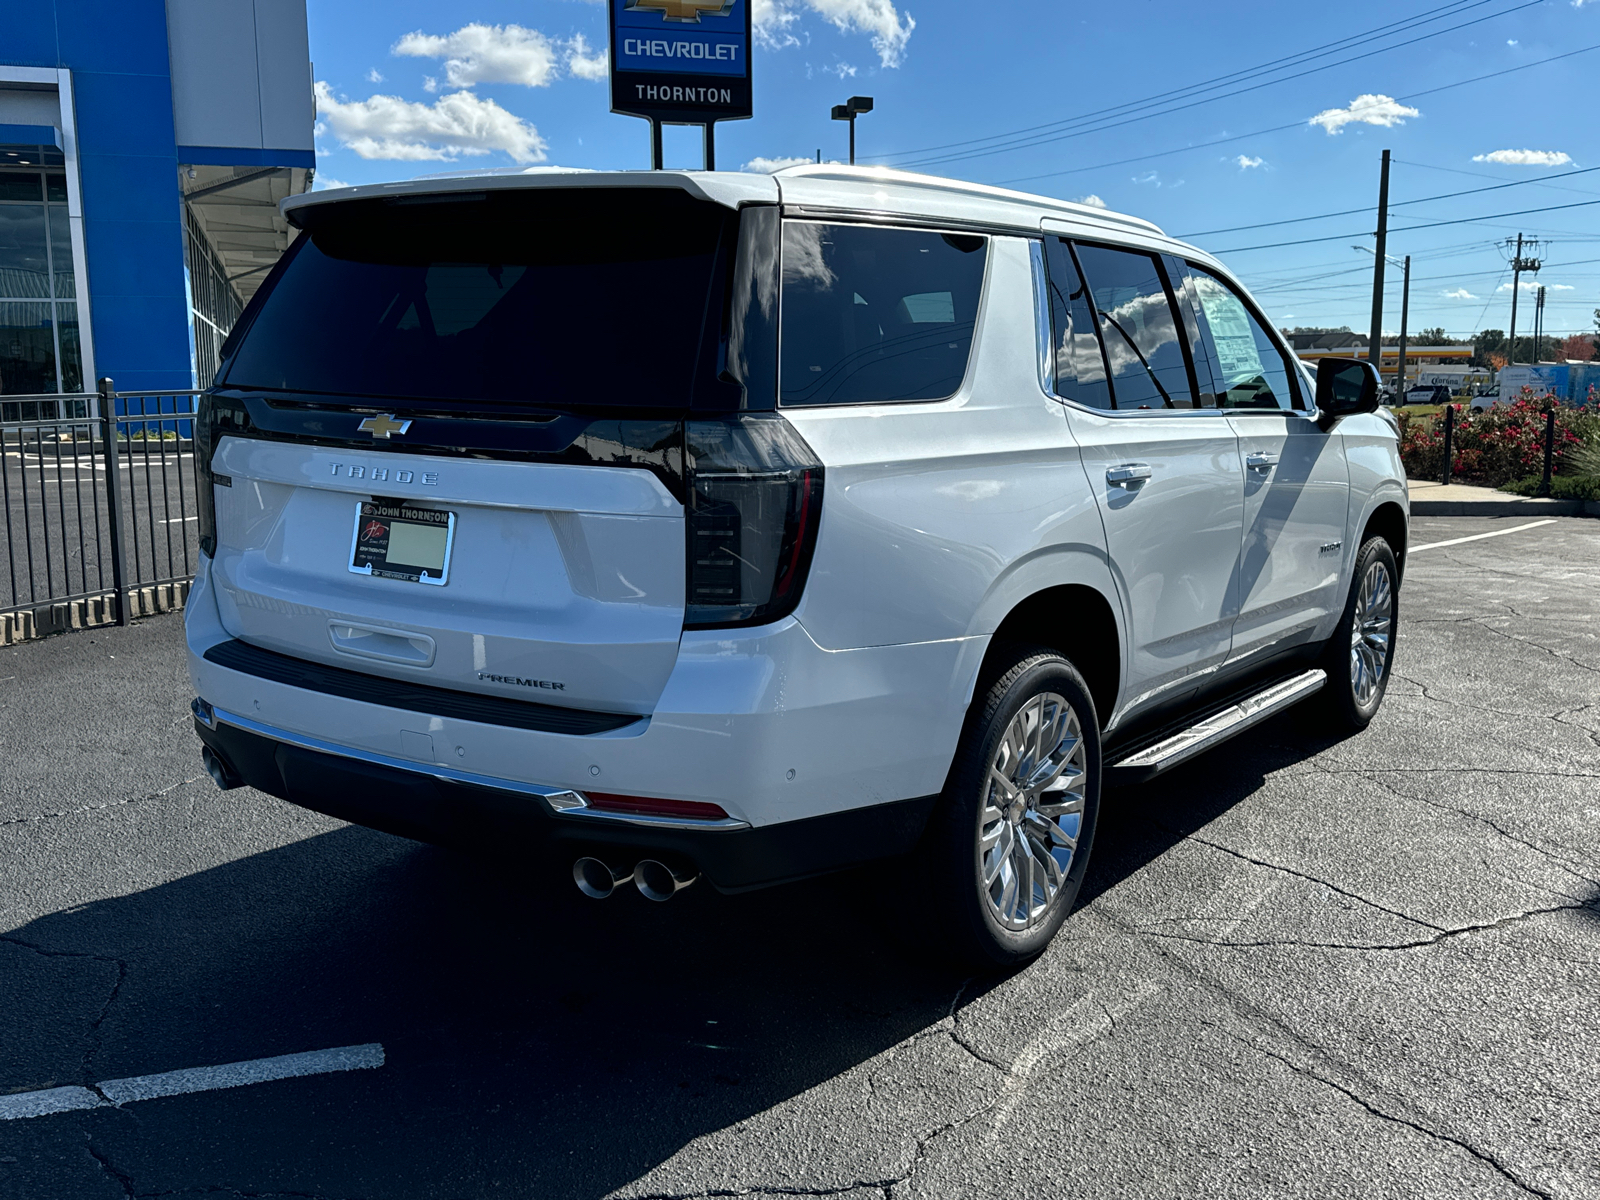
{"x":1346,"y":703}
{"x":955,"y":859}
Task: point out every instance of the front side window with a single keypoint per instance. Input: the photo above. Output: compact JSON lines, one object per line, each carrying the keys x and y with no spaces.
{"x":1080,"y":367}
{"x":1138,"y":327}
{"x":872,"y":315}
{"x":1251,"y":370}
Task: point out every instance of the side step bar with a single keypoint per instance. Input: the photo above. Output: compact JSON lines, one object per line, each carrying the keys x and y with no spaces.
{"x":1215,"y":729}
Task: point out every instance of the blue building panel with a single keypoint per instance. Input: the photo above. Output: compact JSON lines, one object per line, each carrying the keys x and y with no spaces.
{"x":122,"y":37}
{"x":127,"y":158}
{"x":125,"y":114}
{"x":142,"y":264}
{"x":128,"y":187}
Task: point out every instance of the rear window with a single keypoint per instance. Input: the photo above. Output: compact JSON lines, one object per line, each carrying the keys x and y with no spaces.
{"x":545,"y":298}
{"x":872,"y":314}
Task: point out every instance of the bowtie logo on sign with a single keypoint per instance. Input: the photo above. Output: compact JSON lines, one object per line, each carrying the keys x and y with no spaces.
{"x":683,"y":10}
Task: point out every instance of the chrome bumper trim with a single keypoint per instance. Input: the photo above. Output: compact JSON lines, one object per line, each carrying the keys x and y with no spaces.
{"x":561,"y":802}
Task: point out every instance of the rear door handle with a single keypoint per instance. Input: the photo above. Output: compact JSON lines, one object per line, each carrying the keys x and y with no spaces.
{"x":1258,"y":461}
{"x":1127,"y":474}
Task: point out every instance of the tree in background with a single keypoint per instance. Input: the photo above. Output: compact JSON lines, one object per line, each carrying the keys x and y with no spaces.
{"x":1485,"y":346}
{"x":1432,"y":337}
{"x":1580,"y":347}
{"x":1491,"y":349}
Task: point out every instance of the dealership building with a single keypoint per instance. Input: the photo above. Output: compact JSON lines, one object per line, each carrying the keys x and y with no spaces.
{"x":144,"y":147}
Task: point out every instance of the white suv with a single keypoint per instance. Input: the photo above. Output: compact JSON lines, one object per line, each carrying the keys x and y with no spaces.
{"x":753,"y":527}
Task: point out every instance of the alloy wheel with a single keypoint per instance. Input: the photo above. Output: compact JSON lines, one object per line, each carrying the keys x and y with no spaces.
{"x":1032,"y":815}
{"x":1370,"y":632}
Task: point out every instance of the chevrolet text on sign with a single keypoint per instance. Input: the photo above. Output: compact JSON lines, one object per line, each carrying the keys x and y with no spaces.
{"x":681,"y":60}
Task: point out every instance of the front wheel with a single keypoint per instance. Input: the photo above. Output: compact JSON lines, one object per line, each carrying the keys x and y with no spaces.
{"x":1361,"y":652}
{"x":1010,"y":845}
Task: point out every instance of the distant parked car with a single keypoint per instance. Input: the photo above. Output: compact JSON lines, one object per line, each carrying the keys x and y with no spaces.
{"x":1431,"y":393}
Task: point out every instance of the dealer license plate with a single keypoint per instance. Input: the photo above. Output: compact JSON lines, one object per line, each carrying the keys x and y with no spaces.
{"x":393,"y":541}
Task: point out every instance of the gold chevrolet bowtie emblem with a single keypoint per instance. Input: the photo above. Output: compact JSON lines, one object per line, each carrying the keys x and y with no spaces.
{"x":383,"y":426}
{"x":683,"y":10}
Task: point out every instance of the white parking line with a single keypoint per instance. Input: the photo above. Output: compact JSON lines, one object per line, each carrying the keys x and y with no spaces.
{"x":1478,"y":537}
{"x":195,"y":1079}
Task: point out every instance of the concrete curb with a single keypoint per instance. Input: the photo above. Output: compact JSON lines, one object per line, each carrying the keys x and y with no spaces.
{"x":1509,"y":507}
{"x":47,"y":619}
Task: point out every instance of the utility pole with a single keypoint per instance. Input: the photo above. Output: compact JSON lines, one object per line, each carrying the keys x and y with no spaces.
{"x":1538,"y":328}
{"x":1519,"y":264}
{"x":1405,"y":314}
{"x":1375,"y":349}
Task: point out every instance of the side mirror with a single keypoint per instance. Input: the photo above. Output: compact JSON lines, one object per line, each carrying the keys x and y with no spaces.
{"x":1345,"y":387}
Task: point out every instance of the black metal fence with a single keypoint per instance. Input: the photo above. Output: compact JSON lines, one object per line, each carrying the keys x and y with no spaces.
{"x":99,"y":494}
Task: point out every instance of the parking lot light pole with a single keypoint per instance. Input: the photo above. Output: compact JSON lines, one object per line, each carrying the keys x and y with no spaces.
{"x":849,"y":111}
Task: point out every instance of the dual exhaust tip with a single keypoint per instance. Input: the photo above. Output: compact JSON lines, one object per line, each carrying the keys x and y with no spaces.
{"x":655,"y":880}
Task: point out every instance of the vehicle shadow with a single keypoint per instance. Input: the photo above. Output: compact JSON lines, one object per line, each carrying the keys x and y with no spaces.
{"x":535,"y":1040}
{"x":1138,"y":824}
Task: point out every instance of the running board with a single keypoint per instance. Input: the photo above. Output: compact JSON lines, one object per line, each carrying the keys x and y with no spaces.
{"x":1215,"y":729}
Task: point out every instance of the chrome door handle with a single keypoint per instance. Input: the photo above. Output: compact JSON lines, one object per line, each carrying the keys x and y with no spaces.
{"x":1128,"y":474}
{"x":1260,"y":462}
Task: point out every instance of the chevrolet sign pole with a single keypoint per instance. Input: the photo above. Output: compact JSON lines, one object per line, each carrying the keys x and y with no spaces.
{"x":681,"y":62}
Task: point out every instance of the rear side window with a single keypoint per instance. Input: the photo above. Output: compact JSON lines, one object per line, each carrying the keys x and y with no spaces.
{"x":870,"y":315}
{"x":1251,"y":371}
{"x":547,"y":298}
{"x":1138,"y":327}
{"x":1080,"y":367}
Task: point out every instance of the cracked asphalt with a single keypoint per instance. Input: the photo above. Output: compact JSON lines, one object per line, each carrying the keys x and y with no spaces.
{"x":1301,"y":967}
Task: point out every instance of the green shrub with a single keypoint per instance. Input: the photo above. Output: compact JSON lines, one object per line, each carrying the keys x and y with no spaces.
{"x":1562,"y":487}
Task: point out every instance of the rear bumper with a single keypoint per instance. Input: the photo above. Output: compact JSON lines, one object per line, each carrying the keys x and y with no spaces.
{"x":786,"y":737}
{"x":454,"y":808}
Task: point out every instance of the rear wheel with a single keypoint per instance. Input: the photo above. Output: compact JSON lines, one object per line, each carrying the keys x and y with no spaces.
{"x":1010,"y":845}
{"x":1361,"y":652}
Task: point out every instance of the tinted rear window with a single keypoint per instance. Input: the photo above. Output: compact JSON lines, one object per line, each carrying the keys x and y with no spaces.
{"x":872,"y":314}
{"x":545,"y":298}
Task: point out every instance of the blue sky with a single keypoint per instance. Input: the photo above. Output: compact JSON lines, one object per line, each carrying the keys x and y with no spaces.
{"x":416,"y":87}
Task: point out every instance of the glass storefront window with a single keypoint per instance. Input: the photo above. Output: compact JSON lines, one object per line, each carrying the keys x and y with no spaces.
{"x":40,"y":351}
{"x":27,"y":349}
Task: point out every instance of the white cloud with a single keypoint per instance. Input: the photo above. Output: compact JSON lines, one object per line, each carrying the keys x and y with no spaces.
{"x":593,"y":65}
{"x":487,"y":54}
{"x":1149,"y":177}
{"x":1365,"y":109}
{"x":1459,"y":293}
{"x":326,"y":183}
{"x":1245,"y":162}
{"x":842,"y":69}
{"x":1511,"y":41}
{"x":374,"y":76}
{"x":1533,"y":286}
{"x":889,"y":30}
{"x":1092,"y":201}
{"x":765,"y":166}
{"x":387,"y":127}
{"x":772,"y":19}
{"x":1526,"y":158}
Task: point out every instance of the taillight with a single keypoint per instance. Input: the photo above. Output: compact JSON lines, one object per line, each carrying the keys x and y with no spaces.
{"x":755,"y":498}
{"x":205,"y":445}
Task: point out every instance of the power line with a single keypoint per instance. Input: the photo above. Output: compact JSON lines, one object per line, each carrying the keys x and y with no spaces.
{"x":1300,"y":124}
{"x":1427,"y":15}
{"x":1030,"y":141}
{"x":1408,"y":228}
{"x":1393,"y":204}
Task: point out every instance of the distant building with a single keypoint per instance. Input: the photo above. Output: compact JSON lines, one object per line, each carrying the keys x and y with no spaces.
{"x":143,"y":149}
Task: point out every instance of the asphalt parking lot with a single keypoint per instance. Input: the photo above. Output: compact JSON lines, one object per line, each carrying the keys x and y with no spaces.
{"x":1302,"y":966}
